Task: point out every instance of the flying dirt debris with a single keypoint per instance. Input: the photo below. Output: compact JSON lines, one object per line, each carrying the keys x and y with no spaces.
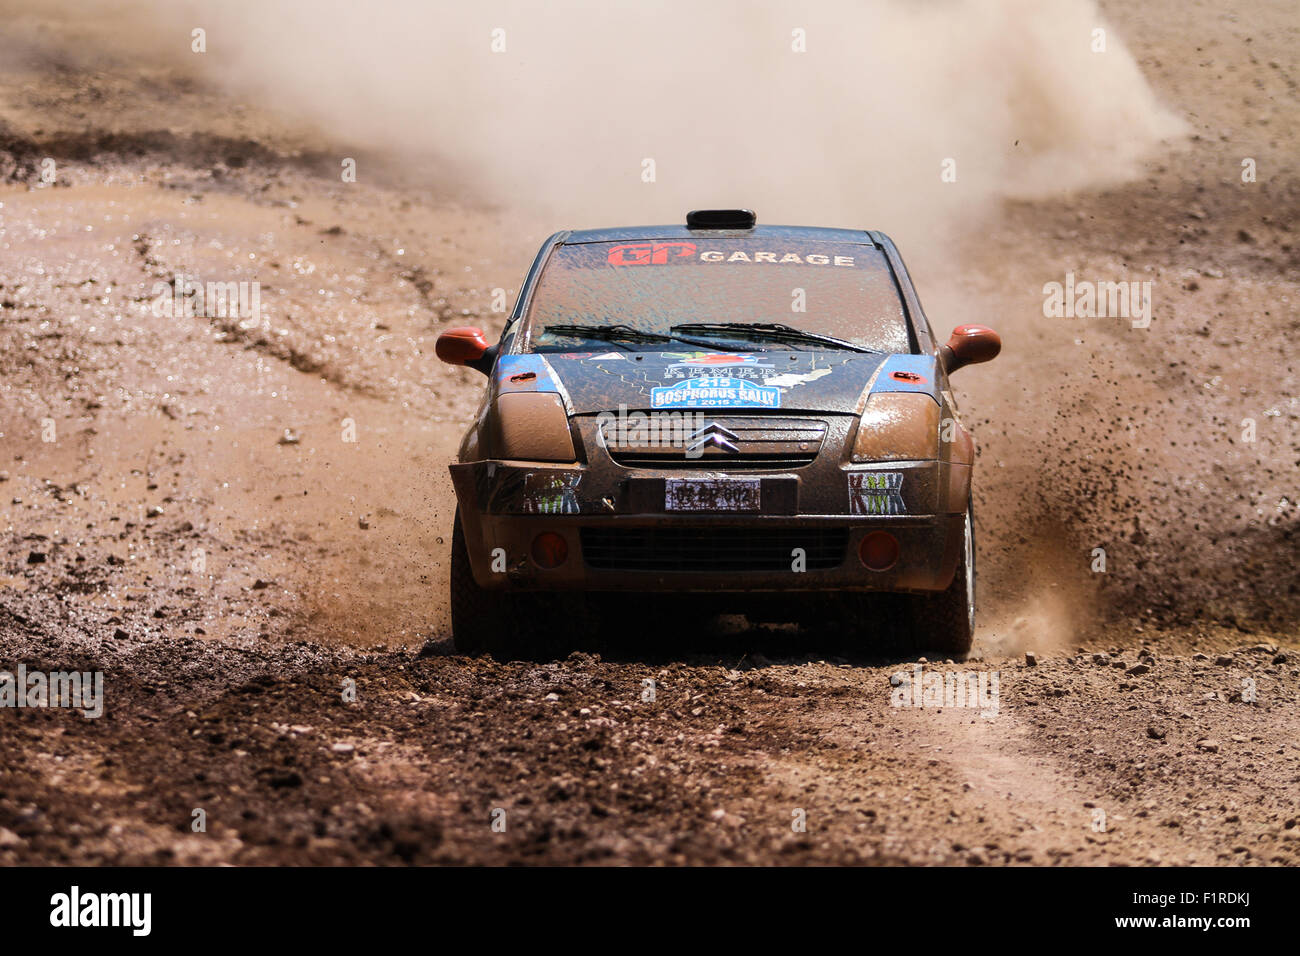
{"x":243,"y":524}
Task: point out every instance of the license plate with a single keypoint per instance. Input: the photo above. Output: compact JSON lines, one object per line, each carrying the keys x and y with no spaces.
{"x":729,"y":494}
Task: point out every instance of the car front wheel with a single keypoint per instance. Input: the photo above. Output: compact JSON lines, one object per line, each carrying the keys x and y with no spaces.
{"x":482,"y":621}
{"x":945,"y":621}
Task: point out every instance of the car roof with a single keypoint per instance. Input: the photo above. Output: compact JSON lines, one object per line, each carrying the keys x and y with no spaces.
{"x":800,"y":233}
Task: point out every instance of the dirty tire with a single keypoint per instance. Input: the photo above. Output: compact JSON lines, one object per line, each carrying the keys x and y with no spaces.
{"x":945,"y":621}
{"x":482,"y":621}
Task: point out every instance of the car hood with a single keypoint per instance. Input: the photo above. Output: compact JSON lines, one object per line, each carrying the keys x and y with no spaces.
{"x":766,"y":381}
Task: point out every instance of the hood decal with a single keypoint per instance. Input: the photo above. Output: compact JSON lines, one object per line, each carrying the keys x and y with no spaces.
{"x":712,"y":392}
{"x":790,"y":380}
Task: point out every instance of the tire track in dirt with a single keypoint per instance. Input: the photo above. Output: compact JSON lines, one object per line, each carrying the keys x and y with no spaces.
{"x":1082,"y":764}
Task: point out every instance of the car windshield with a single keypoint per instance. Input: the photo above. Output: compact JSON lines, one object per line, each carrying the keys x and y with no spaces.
{"x":647,"y":292}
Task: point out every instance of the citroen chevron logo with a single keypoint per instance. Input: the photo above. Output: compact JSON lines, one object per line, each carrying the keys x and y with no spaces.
{"x":711,"y":434}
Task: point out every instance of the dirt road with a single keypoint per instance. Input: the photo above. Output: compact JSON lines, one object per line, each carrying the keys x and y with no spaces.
{"x":245,"y":525}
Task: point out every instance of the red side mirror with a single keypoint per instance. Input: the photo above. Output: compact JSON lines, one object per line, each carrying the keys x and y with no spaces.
{"x":970,"y":345}
{"x":461,"y":346}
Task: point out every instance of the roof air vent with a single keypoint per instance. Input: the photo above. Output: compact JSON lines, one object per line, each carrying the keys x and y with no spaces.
{"x":721,"y":219}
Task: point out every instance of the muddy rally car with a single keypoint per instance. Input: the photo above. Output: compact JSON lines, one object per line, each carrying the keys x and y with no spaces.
{"x":744,"y":418}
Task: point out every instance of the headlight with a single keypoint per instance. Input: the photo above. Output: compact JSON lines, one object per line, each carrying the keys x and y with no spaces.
{"x":532,"y":426}
{"x":898,"y":425}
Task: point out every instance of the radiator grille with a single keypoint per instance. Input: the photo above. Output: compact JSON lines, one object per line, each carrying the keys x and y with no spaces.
{"x":727,"y":443}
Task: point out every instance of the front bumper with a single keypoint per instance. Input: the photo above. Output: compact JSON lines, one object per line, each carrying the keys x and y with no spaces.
{"x":620,"y":535}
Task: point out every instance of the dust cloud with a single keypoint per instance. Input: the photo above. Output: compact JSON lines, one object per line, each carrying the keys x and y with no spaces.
{"x":569,"y":107}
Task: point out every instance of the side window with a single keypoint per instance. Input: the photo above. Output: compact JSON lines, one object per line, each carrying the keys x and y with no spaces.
{"x":921,"y":331}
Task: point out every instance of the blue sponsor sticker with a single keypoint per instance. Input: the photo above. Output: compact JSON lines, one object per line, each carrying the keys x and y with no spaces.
{"x":715,"y":393}
{"x":524,"y":373}
{"x":908,"y":373}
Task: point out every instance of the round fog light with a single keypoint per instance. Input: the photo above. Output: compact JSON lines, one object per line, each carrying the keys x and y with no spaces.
{"x":549,"y":550}
{"x":879,"y":550}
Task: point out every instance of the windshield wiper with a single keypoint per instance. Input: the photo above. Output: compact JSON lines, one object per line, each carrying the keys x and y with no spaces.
{"x":620,"y":332}
{"x":773,"y":331}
